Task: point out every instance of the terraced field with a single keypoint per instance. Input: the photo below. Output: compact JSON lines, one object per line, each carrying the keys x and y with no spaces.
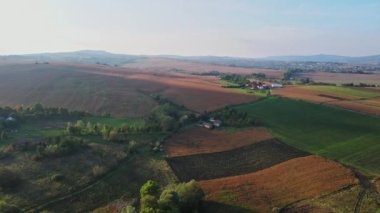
{"x":348,"y":137}
{"x":282,"y":184}
{"x":200,"y":140}
{"x":238,"y":161}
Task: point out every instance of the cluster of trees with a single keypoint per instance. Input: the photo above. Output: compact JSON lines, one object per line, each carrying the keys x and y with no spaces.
{"x":209,"y":73}
{"x":232,"y":117}
{"x":239,"y":79}
{"x":290,"y":74}
{"x":259,"y":76}
{"x":175,"y":198}
{"x":38,"y":111}
{"x":168,"y":117}
{"x":115,"y":134}
{"x":242,"y":80}
{"x":358,"y":85}
{"x":60,"y":146}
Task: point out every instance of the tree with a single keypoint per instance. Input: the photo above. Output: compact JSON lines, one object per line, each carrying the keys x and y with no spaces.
{"x":3,"y":135}
{"x":150,"y":188}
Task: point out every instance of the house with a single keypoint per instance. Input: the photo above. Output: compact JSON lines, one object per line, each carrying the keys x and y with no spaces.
{"x":275,"y":85}
{"x":10,"y":119}
{"x":208,"y":125}
{"x":217,"y":123}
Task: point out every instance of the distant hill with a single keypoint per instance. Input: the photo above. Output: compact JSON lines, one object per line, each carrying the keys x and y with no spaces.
{"x":88,"y":56}
{"x":103,"y":57}
{"x":374,"y":59}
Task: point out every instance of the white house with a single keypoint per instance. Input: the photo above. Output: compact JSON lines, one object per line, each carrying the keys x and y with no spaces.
{"x":10,"y":118}
{"x":275,"y":85}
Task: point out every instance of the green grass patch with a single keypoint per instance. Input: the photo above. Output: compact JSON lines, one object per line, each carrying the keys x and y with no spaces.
{"x":344,"y":91}
{"x":345,"y":136}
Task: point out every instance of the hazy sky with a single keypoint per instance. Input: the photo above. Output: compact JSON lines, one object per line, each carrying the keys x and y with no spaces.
{"x":249,"y":28}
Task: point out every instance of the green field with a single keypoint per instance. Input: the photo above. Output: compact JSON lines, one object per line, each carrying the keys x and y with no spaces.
{"x":344,"y":91}
{"x":344,"y":136}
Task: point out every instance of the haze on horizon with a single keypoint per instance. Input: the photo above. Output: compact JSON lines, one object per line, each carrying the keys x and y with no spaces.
{"x":245,"y":28}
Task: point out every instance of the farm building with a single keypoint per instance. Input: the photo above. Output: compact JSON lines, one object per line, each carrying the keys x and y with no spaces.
{"x":275,"y":85}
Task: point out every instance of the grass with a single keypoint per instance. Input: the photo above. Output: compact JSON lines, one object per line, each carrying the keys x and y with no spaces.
{"x":345,"y":91}
{"x":344,"y":136}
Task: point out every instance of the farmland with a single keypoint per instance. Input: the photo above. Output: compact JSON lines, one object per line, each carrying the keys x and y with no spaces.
{"x":357,"y":99}
{"x":238,"y":161}
{"x":345,"y":136}
{"x":200,"y":140}
{"x":281,"y":184}
{"x":161,"y":64}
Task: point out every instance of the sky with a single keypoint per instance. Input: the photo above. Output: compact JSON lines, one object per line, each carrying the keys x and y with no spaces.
{"x":243,"y":28}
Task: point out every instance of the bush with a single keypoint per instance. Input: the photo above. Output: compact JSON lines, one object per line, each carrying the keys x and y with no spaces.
{"x":98,"y":170}
{"x":6,"y":208}
{"x":61,"y":146}
{"x":8,"y":180}
{"x":57,"y":177}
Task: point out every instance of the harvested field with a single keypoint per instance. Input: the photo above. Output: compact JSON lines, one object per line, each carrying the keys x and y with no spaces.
{"x":198,"y":93}
{"x":160,"y":64}
{"x":104,"y":89}
{"x":73,"y":87}
{"x":355,"y":99}
{"x":281,"y":184}
{"x":342,"y":77}
{"x":238,"y":161}
{"x":200,"y":140}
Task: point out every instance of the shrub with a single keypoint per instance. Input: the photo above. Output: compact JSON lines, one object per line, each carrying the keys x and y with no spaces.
{"x":6,"y":208}
{"x":57,"y":177}
{"x":8,"y":180}
{"x":98,"y":170}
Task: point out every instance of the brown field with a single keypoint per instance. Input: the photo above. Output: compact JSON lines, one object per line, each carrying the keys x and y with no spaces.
{"x":280,"y":185}
{"x":342,"y":77}
{"x":198,"y":93}
{"x":160,"y":64}
{"x":369,"y":106}
{"x":200,"y":140}
{"x":104,"y":89}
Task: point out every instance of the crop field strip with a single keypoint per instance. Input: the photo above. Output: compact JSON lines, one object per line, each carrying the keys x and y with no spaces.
{"x":280,"y":185}
{"x":200,"y":140}
{"x":238,"y":161}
